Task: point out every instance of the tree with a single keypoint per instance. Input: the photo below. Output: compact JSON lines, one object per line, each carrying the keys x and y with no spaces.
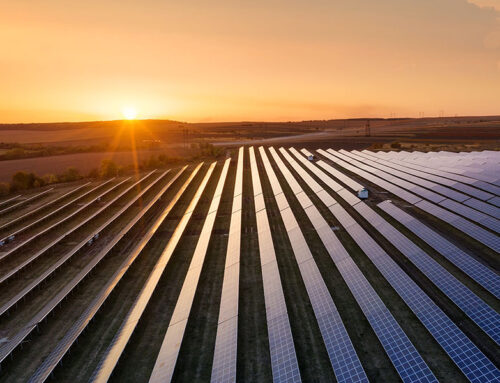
{"x":71,"y":174}
{"x":108,"y":168}
{"x":22,"y":181}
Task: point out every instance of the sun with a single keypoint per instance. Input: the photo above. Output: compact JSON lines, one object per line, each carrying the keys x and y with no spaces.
{"x":129,"y":112}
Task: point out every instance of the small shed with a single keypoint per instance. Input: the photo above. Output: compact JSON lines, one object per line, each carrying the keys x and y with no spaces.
{"x":363,"y":193}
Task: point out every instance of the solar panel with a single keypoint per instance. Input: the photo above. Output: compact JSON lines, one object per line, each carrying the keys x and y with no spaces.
{"x":472,"y":214}
{"x":68,"y":254}
{"x":340,"y":176}
{"x":396,"y":190}
{"x":169,"y":351}
{"x":343,"y":357}
{"x":482,"y":314}
{"x":489,"y":239}
{"x":484,"y":207}
{"x":25,"y":201}
{"x":397,"y":345}
{"x":49,"y":363}
{"x":476,"y":270}
{"x":284,"y":363}
{"x":225,"y":353}
{"x":45,"y":206}
{"x":472,"y":362}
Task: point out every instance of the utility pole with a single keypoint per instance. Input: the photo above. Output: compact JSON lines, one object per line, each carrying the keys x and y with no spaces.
{"x":368,"y":132}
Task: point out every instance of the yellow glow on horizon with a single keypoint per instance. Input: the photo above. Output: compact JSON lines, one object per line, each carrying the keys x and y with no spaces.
{"x":129,"y":113}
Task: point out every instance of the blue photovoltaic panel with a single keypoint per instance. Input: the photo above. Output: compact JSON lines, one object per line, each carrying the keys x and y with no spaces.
{"x":482,"y":314}
{"x":472,"y":214}
{"x":284,"y":363}
{"x":487,"y":238}
{"x":476,"y":270}
{"x":471,"y":361}
{"x":224,"y":363}
{"x":394,"y":189}
{"x":484,"y":207}
{"x":343,"y":357}
{"x":405,"y":358}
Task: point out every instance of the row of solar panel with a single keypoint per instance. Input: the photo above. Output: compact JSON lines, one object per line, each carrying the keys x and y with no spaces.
{"x":66,"y":342}
{"x":23,"y":202}
{"x":452,"y":204}
{"x":52,"y":245}
{"x":476,"y":232}
{"x":343,"y":358}
{"x":226,"y":341}
{"x":402,"y":353}
{"x":427,"y":167}
{"x":168,"y":355}
{"x":462,"y":351}
{"x":16,"y":339}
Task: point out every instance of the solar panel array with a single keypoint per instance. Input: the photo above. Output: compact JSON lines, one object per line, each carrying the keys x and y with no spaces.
{"x":15,"y":340}
{"x":226,"y":343}
{"x":284,"y":363}
{"x":343,"y":357}
{"x":51,"y":361}
{"x":473,"y":363}
{"x":443,"y":188}
{"x":482,"y":274}
{"x":405,"y":358}
{"x":482,"y":314}
{"x":478,"y":233}
{"x":115,"y":349}
{"x":169,"y":351}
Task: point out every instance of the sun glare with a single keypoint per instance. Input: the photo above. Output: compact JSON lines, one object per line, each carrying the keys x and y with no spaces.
{"x":129,"y":113}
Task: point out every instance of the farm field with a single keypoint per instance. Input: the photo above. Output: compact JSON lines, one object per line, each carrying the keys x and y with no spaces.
{"x":265,"y":266}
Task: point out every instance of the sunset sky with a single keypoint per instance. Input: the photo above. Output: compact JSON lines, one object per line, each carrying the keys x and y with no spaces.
{"x":220,"y":60}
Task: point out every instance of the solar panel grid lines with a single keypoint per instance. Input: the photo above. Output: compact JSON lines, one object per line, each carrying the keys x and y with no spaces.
{"x":11,"y":272}
{"x":476,"y":232}
{"x":428,"y":167}
{"x":284,"y":363}
{"x":225,"y":352}
{"x":482,"y":314}
{"x":476,"y":270}
{"x":17,"y":339}
{"x":340,"y":176}
{"x":465,"y":354}
{"x":485,"y":237}
{"x":55,"y":266}
{"x":345,"y":362}
{"x":169,"y":351}
{"x":25,"y":201}
{"x":46,"y":216}
{"x":419,"y":190}
{"x":361,"y":289}
{"x":472,"y":214}
{"x":329,"y":181}
{"x":5,"y":202}
{"x":495,"y":201}
{"x":40,"y":208}
{"x":417,"y":177}
{"x":62,"y":220}
{"x":63,"y":346}
{"x":484,"y":207}
{"x":121,"y":338}
{"x":396,"y":190}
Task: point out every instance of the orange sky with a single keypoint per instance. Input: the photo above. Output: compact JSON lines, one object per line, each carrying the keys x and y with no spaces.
{"x":262,"y":60}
